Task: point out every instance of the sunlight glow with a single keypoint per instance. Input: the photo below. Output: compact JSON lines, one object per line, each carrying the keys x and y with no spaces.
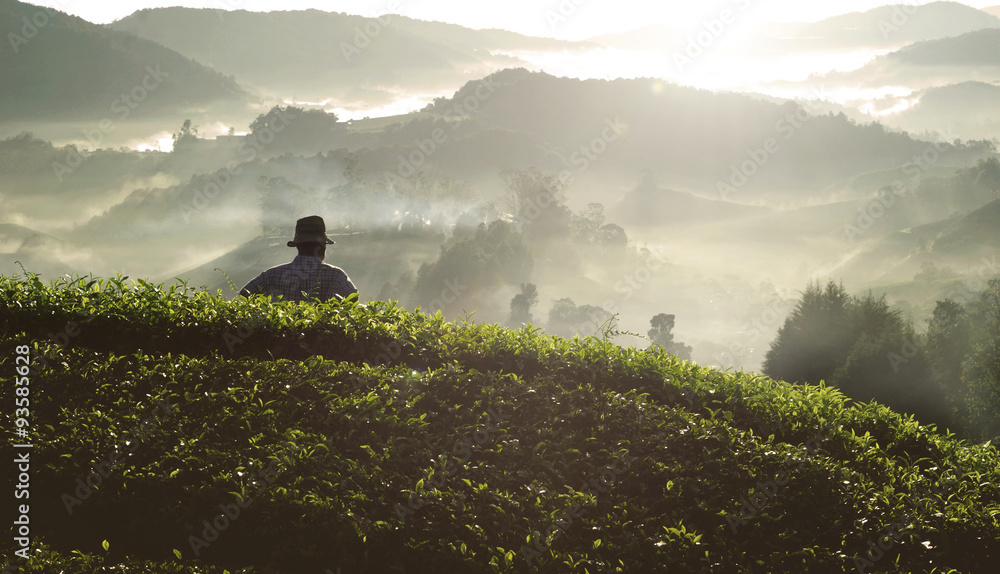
{"x":403,"y":105}
{"x":901,"y":105}
{"x":162,"y":141}
{"x":724,"y":71}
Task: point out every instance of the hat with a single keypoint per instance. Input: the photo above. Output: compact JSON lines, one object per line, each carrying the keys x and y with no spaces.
{"x":310,"y":229}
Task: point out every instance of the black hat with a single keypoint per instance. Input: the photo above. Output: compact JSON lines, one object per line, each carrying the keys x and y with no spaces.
{"x":310,"y":229}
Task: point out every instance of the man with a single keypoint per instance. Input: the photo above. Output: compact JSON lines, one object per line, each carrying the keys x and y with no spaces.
{"x":306,"y":277}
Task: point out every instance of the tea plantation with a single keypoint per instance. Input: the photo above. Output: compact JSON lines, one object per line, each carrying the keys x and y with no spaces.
{"x":176,"y":431}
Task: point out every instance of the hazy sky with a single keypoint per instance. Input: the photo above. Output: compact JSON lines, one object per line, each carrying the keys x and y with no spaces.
{"x":572,"y":19}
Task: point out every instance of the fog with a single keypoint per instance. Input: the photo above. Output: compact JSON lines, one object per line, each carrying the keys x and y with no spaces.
{"x":632,"y":173}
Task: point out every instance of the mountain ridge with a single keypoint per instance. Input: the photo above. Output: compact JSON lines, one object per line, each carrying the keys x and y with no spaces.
{"x":901,"y":23}
{"x":94,"y":71}
{"x":323,"y":54}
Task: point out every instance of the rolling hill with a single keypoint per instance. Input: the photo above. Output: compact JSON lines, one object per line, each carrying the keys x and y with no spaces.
{"x":592,"y":131}
{"x":899,"y":24}
{"x":971,"y":108}
{"x":44,"y":253}
{"x":12,"y":236}
{"x":714,"y":139}
{"x":959,"y":242}
{"x":318,"y":55}
{"x":92,"y":72}
{"x":974,"y":56}
{"x":186,"y":433}
{"x":979,"y":48}
{"x":649,"y":205}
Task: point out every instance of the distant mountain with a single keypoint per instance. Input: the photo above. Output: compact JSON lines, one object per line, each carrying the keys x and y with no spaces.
{"x":36,"y":251}
{"x":972,"y":109}
{"x":994,"y":10}
{"x":899,"y":24}
{"x":316,"y":55}
{"x":13,"y":236}
{"x":715,"y":141}
{"x":974,"y":56}
{"x":59,"y":66}
{"x":653,"y":37}
{"x":968,"y":95}
{"x":594,"y":132}
{"x":979,"y":48}
{"x":669,"y":39}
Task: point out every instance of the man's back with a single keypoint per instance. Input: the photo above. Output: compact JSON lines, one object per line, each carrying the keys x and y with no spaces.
{"x":305,"y":278}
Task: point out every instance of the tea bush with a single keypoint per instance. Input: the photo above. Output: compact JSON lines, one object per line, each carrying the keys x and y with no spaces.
{"x":189,"y":433}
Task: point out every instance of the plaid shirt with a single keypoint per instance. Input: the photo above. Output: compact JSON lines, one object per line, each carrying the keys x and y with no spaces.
{"x":305,"y":278}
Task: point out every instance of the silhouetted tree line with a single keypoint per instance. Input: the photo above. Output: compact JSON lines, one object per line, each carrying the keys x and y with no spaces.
{"x":471,"y":265}
{"x":949,"y":375}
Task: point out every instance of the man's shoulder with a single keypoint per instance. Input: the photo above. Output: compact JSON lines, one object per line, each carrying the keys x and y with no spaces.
{"x":279,"y":268}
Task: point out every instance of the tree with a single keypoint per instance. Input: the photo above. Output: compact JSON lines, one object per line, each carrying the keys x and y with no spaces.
{"x":566,"y":319}
{"x":538,"y":204}
{"x":814,"y":339}
{"x":611,"y":235}
{"x":662,"y":335}
{"x":586,"y":224}
{"x":292,"y":128}
{"x":946,"y":343}
{"x":981,"y":367}
{"x":860,"y":345}
{"x":473,"y":264}
{"x":521,"y":304}
{"x":185,"y":137}
{"x":886,"y":365}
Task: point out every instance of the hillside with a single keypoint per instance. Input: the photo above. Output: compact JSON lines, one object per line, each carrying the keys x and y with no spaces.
{"x":649,"y":205}
{"x":44,"y":253}
{"x":13,"y":236}
{"x":319,"y":55}
{"x":979,"y":48}
{"x":705,"y":137}
{"x":970,"y":108}
{"x":278,"y":438}
{"x":883,"y":26}
{"x":980,"y":229}
{"x":899,"y":24}
{"x":692,"y":138}
{"x":974,"y":56}
{"x":95,"y":73}
{"x":960,"y":243}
